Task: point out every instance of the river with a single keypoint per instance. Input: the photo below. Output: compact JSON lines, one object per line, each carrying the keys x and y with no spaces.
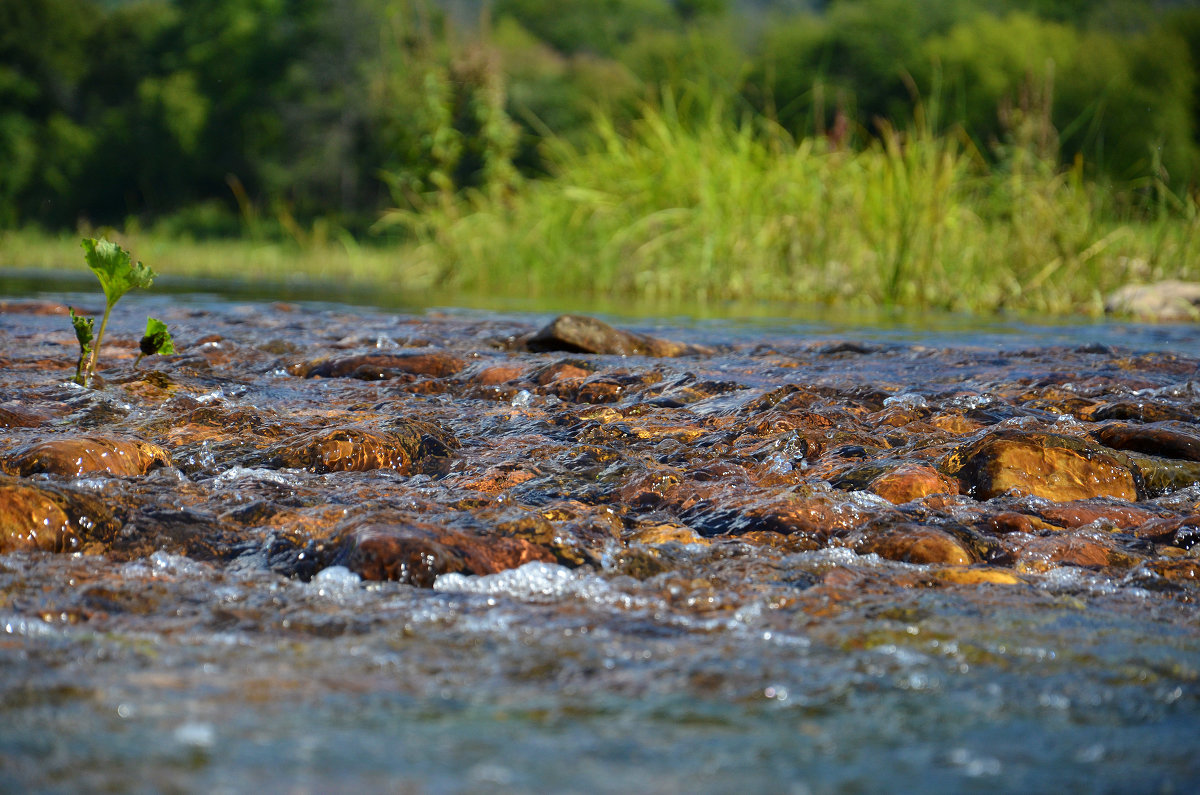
{"x":414,"y":550}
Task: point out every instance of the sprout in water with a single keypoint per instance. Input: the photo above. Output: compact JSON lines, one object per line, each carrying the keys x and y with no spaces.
{"x":118,"y":274}
{"x":84,"y":328}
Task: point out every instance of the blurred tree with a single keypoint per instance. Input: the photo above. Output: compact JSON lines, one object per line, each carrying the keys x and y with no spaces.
{"x":43,"y":54}
{"x":596,"y":26}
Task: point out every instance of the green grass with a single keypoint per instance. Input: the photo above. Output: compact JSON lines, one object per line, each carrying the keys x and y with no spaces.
{"x":338,"y":262}
{"x":718,"y":212}
{"x":695,"y":214}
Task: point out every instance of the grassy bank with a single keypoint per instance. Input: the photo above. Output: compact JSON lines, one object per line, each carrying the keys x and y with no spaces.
{"x":688,"y":214}
{"x":719,"y":212}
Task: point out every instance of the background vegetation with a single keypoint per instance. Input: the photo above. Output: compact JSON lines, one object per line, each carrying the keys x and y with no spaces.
{"x":951,"y":153}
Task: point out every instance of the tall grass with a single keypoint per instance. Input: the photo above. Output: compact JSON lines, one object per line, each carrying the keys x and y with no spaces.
{"x":682,"y":211}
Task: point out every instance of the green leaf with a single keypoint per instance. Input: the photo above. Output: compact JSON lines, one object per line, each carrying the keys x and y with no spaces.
{"x":116,"y":270}
{"x":157,"y":339}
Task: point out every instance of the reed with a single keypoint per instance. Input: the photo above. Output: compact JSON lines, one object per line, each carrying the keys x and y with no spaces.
{"x":681,"y":211}
{"x":688,"y":211}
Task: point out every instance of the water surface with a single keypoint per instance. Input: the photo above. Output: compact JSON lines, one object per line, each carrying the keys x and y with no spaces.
{"x":678,"y":631}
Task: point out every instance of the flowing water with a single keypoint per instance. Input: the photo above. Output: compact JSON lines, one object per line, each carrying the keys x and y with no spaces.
{"x":329,"y":548}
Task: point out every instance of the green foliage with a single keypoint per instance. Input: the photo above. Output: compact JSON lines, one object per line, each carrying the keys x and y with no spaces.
{"x":84,"y":332}
{"x":156,"y":340}
{"x":596,"y":26}
{"x":118,"y":274}
{"x":115,"y":268}
{"x":679,"y":211}
{"x":301,"y":120}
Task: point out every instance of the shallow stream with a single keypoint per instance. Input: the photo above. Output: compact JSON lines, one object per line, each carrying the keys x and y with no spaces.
{"x":328,"y":548}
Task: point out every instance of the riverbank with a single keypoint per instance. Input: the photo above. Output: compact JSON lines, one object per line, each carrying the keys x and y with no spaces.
{"x":693,"y":214}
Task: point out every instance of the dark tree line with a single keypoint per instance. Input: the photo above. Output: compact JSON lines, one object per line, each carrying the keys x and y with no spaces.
{"x":202,"y":114}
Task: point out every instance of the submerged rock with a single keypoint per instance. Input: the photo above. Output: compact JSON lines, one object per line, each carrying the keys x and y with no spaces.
{"x":582,"y":334}
{"x":417,"y":554}
{"x":88,"y":455}
{"x":916,"y":544}
{"x":34,"y":517}
{"x":379,"y":366}
{"x":910,"y":482}
{"x":1051,"y":466}
{"x":1152,"y":439}
{"x":358,"y":449}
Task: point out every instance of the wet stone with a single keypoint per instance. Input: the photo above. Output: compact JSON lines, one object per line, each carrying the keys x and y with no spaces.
{"x":581,"y":334}
{"x":376,"y":367}
{"x":51,"y":519}
{"x":1051,"y":466}
{"x":356,"y":449}
{"x":916,"y":544}
{"x":416,"y":554}
{"x":88,"y":455}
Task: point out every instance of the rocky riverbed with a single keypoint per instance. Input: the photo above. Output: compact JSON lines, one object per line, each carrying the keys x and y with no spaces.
{"x":321,"y":549}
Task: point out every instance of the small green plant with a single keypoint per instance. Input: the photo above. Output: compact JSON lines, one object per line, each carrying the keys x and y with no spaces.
{"x":84,"y":332}
{"x":118,"y":274}
{"x":156,"y":340}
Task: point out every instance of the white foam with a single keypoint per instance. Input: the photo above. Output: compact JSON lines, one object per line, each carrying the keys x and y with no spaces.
{"x":336,"y":581}
{"x":907,"y":400}
{"x":237,"y":473}
{"x":532,"y":581}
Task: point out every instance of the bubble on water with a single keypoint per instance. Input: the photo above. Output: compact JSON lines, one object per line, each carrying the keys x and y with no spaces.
{"x":868,"y":500}
{"x":522,"y":400}
{"x":92,"y":484}
{"x":906,"y":400}
{"x":973,"y":764}
{"x":236,"y":473}
{"x":164,"y":564}
{"x":336,"y":581}
{"x":776,"y":692}
{"x":535,"y":580}
{"x":970,"y":401}
{"x":26,"y":627}
{"x":195,"y":735}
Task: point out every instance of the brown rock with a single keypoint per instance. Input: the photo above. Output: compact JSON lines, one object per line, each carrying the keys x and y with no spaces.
{"x":910,"y":482}
{"x":30,"y":519}
{"x":574,"y":371}
{"x":1006,"y":522}
{"x":355,"y":449}
{"x":498,"y":374}
{"x":582,"y":334}
{"x":1066,"y":549}
{"x":916,"y":544}
{"x":1078,"y":514}
{"x":50,"y":519}
{"x":1154,"y":439}
{"x":378,"y":366}
{"x":955,"y":424}
{"x":1139,"y":410}
{"x":1185,"y":572}
{"x":19,"y":417}
{"x":1170,"y":300}
{"x":977,"y":576}
{"x":89,"y":455}
{"x":654,"y":534}
{"x":1051,"y":466}
{"x":417,"y":555}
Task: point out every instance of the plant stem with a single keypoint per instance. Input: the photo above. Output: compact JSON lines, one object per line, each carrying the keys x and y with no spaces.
{"x":91,"y":369}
